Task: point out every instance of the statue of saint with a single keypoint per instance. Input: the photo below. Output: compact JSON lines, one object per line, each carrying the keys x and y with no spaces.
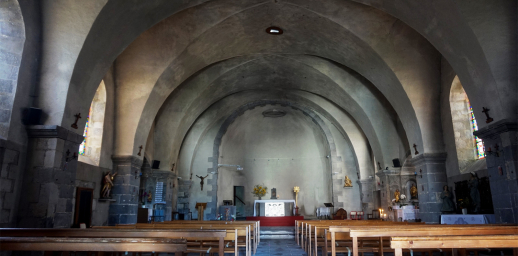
{"x":413,"y":192}
{"x":396,"y":195}
{"x":447,"y":203}
{"x":201,"y":182}
{"x":347,"y":182}
{"x":473,"y":192}
{"x":149,"y":197}
{"x":108,"y":185}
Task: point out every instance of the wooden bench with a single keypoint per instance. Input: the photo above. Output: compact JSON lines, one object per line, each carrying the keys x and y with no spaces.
{"x":240,"y":230}
{"x":456,"y":242}
{"x":116,"y":233}
{"x":384,"y":232}
{"x":78,"y":244}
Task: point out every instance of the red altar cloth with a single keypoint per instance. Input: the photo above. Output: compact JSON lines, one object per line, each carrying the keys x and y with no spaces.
{"x":276,"y":221}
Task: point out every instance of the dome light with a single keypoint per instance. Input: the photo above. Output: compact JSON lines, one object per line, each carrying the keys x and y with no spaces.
{"x":274,"y":31}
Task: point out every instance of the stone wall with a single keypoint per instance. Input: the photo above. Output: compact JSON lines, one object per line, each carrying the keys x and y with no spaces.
{"x":89,"y":176}
{"x":11,"y":170}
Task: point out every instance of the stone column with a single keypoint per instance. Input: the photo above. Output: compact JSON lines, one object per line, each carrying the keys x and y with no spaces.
{"x":167,"y":177}
{"x":125,"y":191}
{"x":49,"y":180}
{"x":367,"y":198}
{"x":430,"y":184}
{"x":502,"y":165}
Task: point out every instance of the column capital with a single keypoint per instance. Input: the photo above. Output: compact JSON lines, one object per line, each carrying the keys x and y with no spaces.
{"x":128,"y":160}
{"x":53,"y":131}
{"x":429,"y":158}
{"x":492,"y":130}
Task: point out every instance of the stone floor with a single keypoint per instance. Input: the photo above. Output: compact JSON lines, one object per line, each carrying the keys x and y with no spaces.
{"x":279,"y":247}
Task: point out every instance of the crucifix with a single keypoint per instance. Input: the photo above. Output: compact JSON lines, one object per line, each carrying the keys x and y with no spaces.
{"x":201,"y":182}
{"x":74,"y":125}
{"x":488,"y":118}
{"x":140,"y":150}
{"x":379,"y":166}
{"x":415,"y":148}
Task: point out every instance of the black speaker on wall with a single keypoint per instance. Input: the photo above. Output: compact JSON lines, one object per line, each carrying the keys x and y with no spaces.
{"x":155,"y":164}
{"x":396,"y":163}
{"x":31,"y":116}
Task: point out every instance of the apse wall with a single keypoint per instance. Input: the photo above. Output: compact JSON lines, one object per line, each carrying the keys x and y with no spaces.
{"x":280,"y":153}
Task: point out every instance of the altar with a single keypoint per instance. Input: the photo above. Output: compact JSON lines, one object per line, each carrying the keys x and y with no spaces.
{"x":275,"y":207}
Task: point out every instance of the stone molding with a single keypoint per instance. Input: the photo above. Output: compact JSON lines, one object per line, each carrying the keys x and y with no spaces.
{"x":132,"y":160}
{"x":496,"y":128}
{"x":429,"y":158}
{"x":53,"y":131}
{"x":365,"y":181}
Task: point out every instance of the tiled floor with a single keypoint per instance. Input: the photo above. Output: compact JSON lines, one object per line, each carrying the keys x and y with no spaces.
{"x":279,"y":247}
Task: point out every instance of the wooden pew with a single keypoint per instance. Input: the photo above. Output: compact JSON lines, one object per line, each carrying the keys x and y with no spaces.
{"x":118,"y":233}
{"x":460,"y":242}
{"x":241,"y":231}
{"x":320,"y":236}
{"x":67,"y":244}
{"x":381,"y":232}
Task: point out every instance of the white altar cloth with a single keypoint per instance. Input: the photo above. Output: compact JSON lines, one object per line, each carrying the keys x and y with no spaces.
{"x":467,"y":218}
{"x":274,"y":201}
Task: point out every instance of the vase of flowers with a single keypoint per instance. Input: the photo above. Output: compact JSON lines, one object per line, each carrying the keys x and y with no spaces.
{"x":259,"y":191}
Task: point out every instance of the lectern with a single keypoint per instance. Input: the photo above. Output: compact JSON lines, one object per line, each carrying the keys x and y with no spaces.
{"x":201,"y":207}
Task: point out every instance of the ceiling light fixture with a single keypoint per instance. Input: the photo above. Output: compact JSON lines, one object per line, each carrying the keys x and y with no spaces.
{"x":274,"y":31}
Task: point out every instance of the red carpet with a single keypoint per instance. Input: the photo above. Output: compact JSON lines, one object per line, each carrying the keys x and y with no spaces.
{"x":276,"y":221}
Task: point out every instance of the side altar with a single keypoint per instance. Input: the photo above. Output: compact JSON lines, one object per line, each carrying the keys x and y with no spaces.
{"x":275,"y":207}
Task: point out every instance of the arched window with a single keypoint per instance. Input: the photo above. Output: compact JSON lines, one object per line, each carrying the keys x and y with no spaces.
{"x":469,"y":147}
{"x":90,"y":149}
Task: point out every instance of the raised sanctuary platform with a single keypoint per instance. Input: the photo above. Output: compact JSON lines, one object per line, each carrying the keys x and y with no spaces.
{"x":276,"y":221}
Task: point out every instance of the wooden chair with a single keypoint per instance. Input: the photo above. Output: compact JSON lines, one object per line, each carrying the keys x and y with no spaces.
{"x":353,"y":215}
{"x":359,"y":215}
{"x":341,"y":214}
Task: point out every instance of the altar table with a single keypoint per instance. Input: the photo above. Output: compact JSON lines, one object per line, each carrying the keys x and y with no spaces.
{"x":467,"y":218}
{"x":273,"y":201}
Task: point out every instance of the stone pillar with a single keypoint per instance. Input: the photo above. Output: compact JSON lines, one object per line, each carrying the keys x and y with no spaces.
{"x":11,"y":171}
{"x":49,"y":179}
{"x":502,"y":165}
{"x":125,"y":191}
{"x":430,"y":185}
{"x":367,"y":197}
{"x":183,"y":197}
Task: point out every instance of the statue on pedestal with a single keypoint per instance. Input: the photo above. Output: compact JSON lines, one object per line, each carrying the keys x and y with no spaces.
{"x":413,"y":192}
{"x":347,"y":182}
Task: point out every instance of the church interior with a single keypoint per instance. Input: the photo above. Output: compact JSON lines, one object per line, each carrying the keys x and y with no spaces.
{"x":125,"y":112}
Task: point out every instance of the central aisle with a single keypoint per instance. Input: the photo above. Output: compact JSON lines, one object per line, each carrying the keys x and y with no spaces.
{"x":279,"y":247}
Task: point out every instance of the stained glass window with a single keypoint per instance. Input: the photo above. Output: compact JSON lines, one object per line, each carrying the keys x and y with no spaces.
{"x":479,"y":145}
{"x":82,"y":147}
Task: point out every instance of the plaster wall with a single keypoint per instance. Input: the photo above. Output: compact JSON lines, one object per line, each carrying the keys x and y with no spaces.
{"x":278,"y":152}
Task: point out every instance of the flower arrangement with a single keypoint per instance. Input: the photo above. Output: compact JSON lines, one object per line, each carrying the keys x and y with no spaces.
{"x":260,"y":190}
{"x":463,"y":203}
{"x":222,"y":217}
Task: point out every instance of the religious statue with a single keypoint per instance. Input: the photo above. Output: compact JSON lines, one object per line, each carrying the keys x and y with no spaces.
{"x":396,"y":195}
{"x":108,"y":185}
{"x":149,"y":197}
{"x":201,"y":182}
{"x":473,"y":192}
{"x":296,"y":190}
{"x":447,"y":203}
{"x":413,"y":192}
{"x":347,"y":182}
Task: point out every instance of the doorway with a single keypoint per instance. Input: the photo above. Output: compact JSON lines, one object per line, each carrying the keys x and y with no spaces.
{"x":239,"y":201}
{"x":83,"y":213}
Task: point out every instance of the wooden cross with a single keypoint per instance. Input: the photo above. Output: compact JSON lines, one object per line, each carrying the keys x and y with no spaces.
{"x":415,"y":148}
{"x":140,"y":150}
{"x":379,"y":166}
{"x":74,"y":125}
{"x":488,"y":118}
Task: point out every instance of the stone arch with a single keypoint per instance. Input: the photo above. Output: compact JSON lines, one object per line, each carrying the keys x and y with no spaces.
{"x":12,"y":42}
{"x":336,"y":179}
{"x":90,"y":149}
{"x":465,"y":142}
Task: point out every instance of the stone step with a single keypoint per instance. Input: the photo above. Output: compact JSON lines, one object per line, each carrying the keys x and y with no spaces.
{"x":277,"y":233}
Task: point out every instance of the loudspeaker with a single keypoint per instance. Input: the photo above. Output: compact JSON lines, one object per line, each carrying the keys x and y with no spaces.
{"x":155,"y":164}
{"x":31,"y":116}
{"x":396,"y":163}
